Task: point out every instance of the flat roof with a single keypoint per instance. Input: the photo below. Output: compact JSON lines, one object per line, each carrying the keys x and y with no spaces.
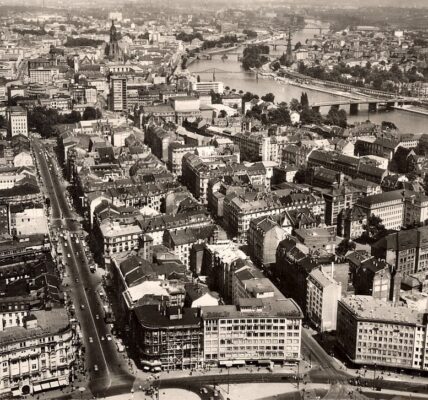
{"x":371,"y":309}
{"x":48,"y":323}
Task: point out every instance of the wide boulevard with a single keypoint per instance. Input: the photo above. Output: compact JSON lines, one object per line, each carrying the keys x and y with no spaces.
{"x":108,"y":371}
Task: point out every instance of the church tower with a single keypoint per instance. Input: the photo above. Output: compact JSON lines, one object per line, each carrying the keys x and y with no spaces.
{"x":289,"y":54}
{"x":113,"y":46}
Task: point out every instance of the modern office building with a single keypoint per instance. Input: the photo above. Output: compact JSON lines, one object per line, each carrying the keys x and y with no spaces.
{"x":118,"y":93}
{"x":17,"y":120}
{"x":323,"y":294}
{"x":208,"y":87}
{"x":374,"y":332}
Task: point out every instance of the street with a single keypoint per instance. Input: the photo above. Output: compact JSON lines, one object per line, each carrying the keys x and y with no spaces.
{"x":107,"y":370}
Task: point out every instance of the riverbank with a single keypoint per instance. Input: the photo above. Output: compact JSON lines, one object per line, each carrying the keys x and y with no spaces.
{"x":222,"y":50}
{"x":412,"y":109}
{"x":317,"y":88}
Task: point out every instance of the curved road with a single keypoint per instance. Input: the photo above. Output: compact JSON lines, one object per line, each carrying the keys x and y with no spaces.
{"x":108,"y":372}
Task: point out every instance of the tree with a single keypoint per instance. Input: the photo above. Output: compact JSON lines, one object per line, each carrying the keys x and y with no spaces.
{"x":295,"y":105}
{"x":297,"y":46}
{"x":89,"y":113}
{"x":222,"y":114}
{"x":248,"y":96}
{"x":255,"y":56}
{"x":250,"y":34}
{"x":337,"y":117}
{"x":373,"y":229}
{"x":82,"y":42}
{"x":309,"y":116}
{"x":269,"y":97}
{"x":344,"y":246}
{"x":215,"y":98}
{"x":399,"y":160}
{"x":2,"y":121}
{"x":304,"y":100}
{"x":280,"y":115}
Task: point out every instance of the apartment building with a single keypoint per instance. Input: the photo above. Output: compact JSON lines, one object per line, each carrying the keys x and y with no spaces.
{"x":17,"y":121}
{"x":176,"y":152}
{"x":197,"y":171}
{"x":118,"y":238}
{"x":238,"y":211}
{"x":374,"y":332}
{"x":416,"y":209}
{"x":388,"y":206}
{"x":42,"y":75}
{"x":351,"y":166}
{"x":181,"y":241}
{"x":264,"y":235}
{"x":37,"y":355}
{"x":323,"y":294}
{"x":406,"y":250}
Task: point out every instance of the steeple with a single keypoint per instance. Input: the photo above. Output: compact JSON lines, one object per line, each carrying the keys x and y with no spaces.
{"x":113,"y":32}
{"x":289,"y":55}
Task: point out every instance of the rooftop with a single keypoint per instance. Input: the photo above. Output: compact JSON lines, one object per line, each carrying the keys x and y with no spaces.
{"x":48,"y":323}
{"x":368,"y":308}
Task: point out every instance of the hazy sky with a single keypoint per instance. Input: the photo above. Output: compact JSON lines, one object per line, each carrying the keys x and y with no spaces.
{"x":333,"y":3}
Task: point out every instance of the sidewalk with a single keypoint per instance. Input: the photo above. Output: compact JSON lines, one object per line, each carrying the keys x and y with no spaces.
{"x":141,"y":375}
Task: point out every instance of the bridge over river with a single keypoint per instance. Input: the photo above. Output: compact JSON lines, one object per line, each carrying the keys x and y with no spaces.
{"x":373,"y":103}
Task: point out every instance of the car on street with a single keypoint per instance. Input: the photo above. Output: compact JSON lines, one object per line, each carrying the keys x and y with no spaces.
{"x":82,"y":306}
{"x":76,"y":280}
{"x":91,"y":340}
{"x":108,"y":337}
{"x":97,"y":316}
{"x":95,"y":367}
{"x":204,"y":390}
{"x":102,"y":338}
{"x":68,"y":255}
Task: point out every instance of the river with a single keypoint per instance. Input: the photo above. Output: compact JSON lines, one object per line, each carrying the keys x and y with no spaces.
{"x":233,"y":75}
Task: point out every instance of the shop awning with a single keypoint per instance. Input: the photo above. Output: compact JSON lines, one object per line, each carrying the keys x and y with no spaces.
{"x":226,"y":363}
{"x":63,"y":382}
{"x":157,"y":369}
{"x":46,"y":386}
{"x":239,"y":362}
{"x":151,"y":364}
{"x":37,"y":388}
{"x":16,"y":393}
{"x":54,"y":384}
{"x":264,"y":362}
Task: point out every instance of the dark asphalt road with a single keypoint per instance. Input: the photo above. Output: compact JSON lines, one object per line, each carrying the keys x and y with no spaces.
{"x":113,"y":375}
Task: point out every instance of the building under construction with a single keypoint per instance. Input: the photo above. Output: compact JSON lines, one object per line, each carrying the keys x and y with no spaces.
{"x":167,"y":338}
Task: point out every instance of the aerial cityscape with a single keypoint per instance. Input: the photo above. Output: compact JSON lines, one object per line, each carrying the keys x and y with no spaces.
{"x":220,"y":200}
